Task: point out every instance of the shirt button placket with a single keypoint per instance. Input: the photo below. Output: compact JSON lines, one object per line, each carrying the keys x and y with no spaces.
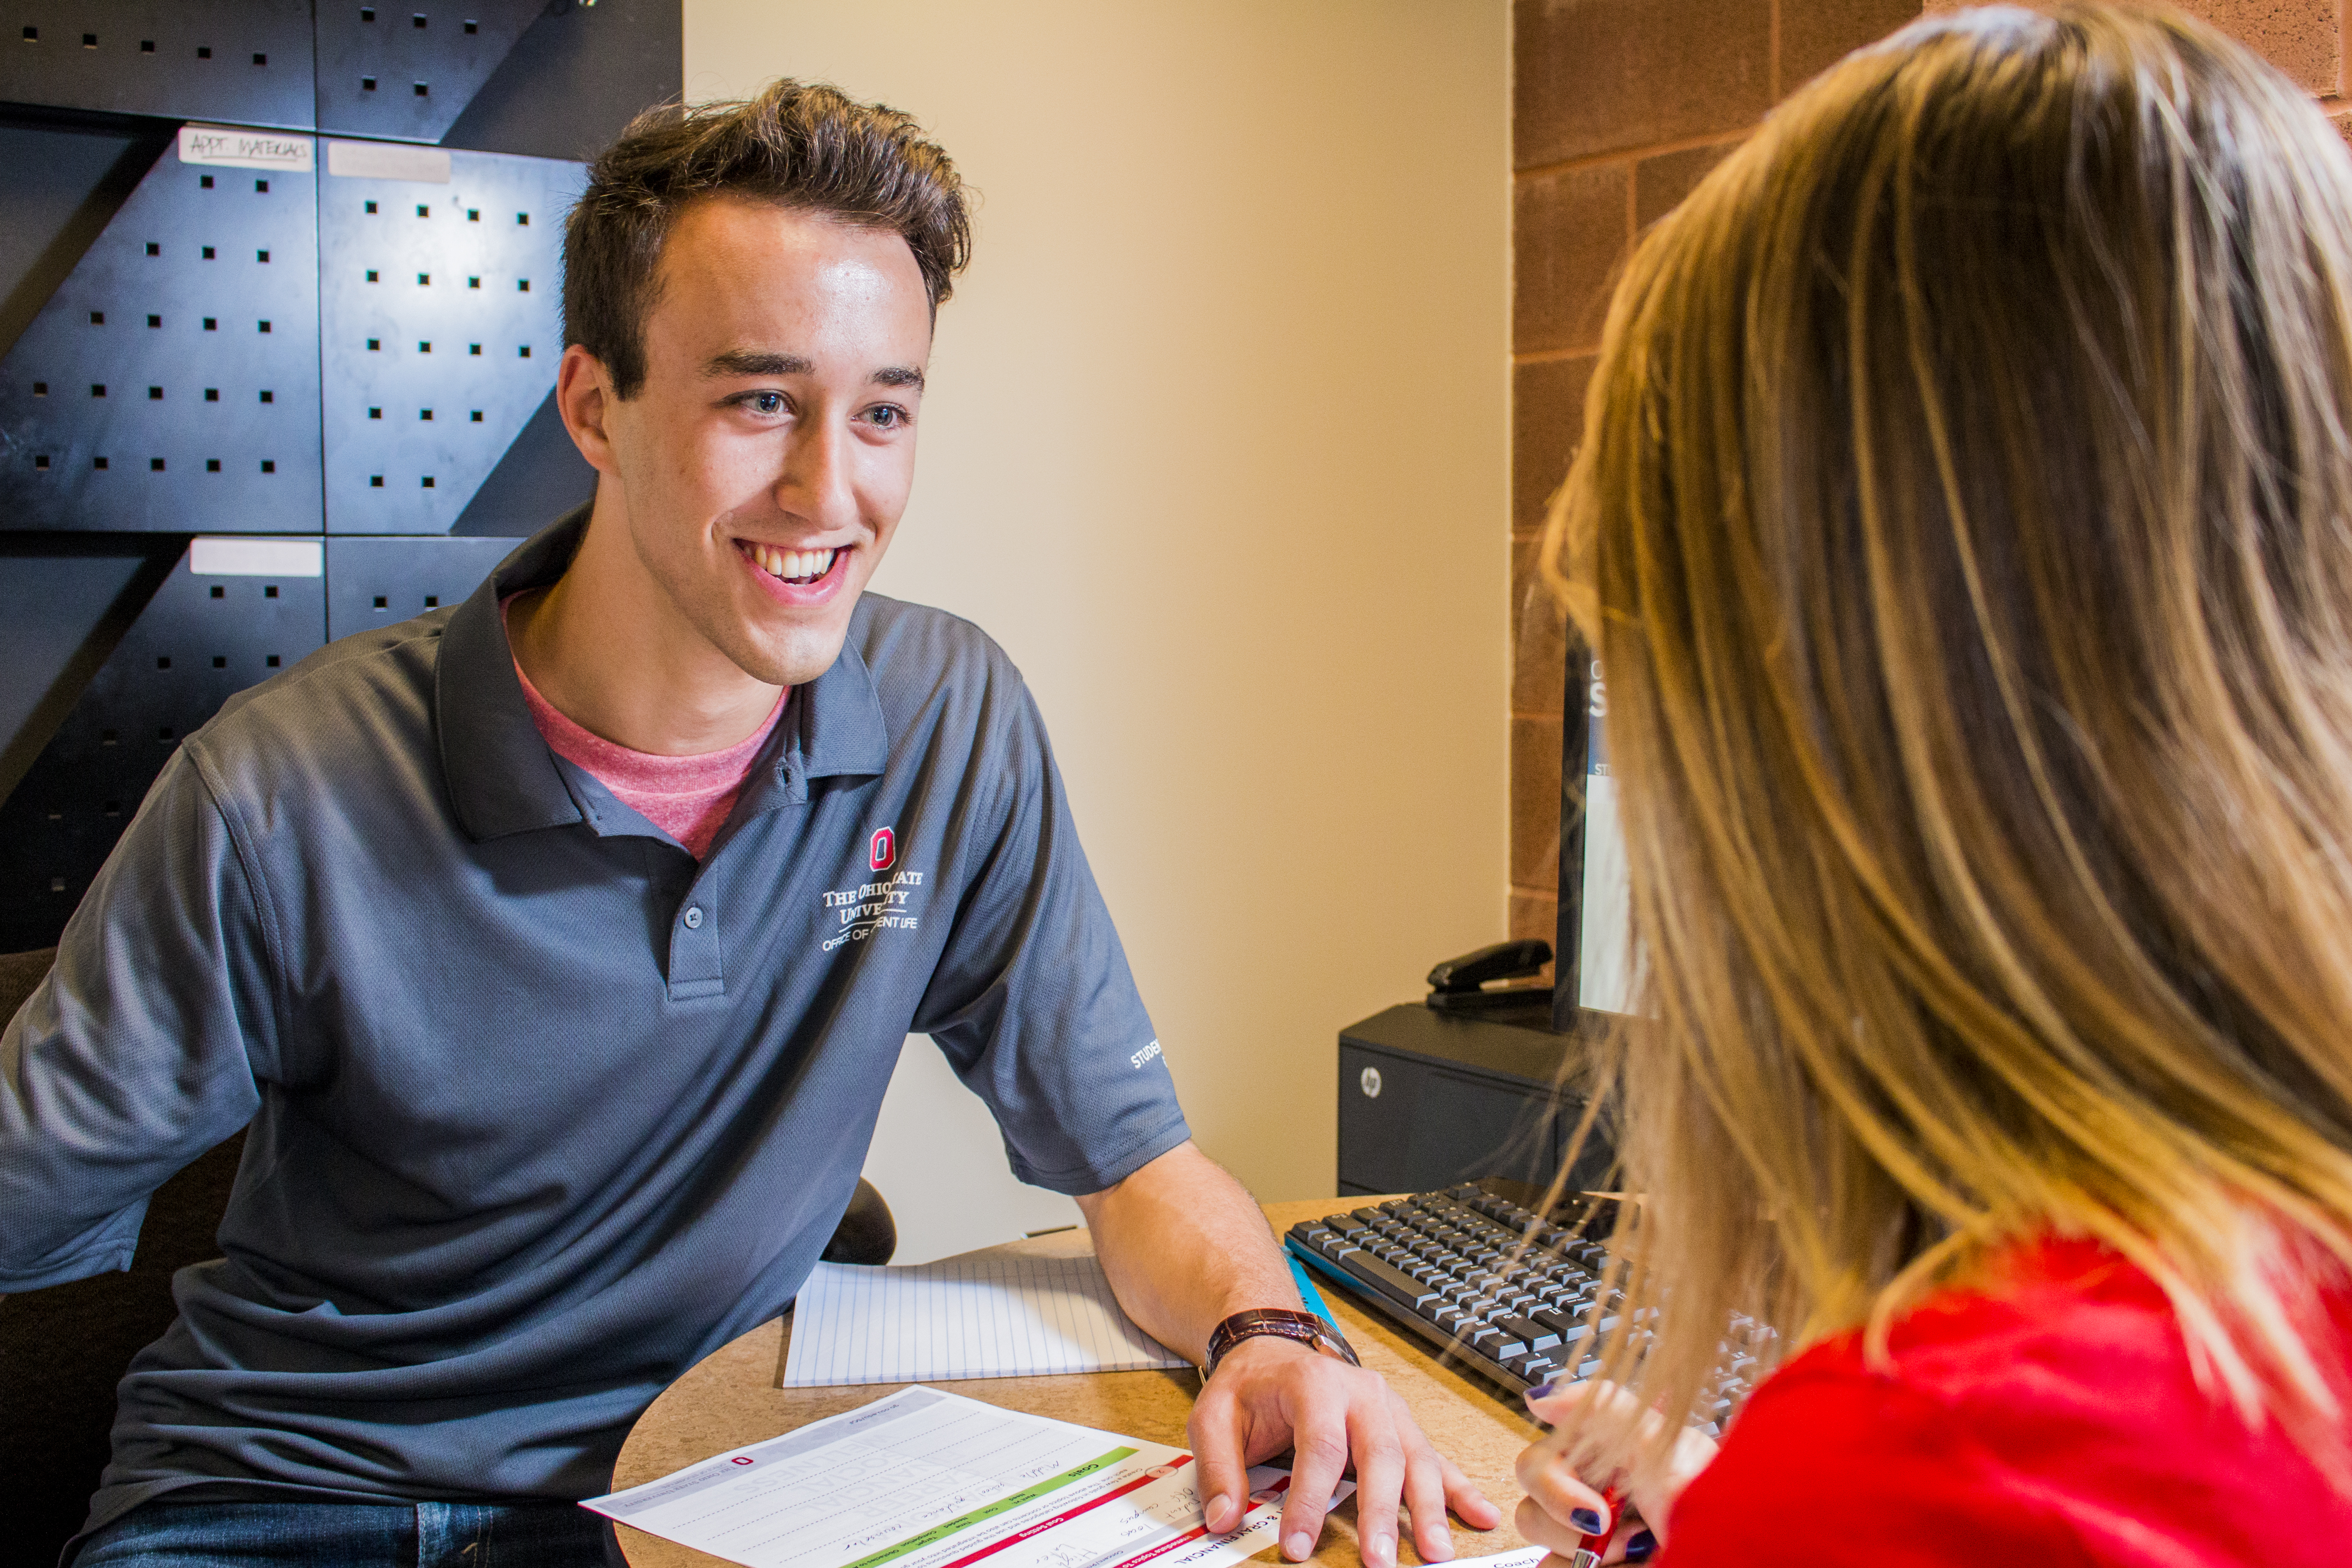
{"x":694,"y":960}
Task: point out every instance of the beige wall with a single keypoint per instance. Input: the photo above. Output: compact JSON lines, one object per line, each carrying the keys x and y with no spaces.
{"x":1217,"y":448}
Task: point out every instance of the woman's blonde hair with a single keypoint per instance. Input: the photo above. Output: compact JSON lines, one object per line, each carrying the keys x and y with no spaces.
{"x":1964,"y":520}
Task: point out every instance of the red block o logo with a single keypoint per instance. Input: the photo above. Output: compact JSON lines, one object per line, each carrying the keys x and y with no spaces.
{"x":882,"y":852}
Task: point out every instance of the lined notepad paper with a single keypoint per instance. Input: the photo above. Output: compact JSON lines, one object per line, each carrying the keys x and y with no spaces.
{"x":966,"y":1317}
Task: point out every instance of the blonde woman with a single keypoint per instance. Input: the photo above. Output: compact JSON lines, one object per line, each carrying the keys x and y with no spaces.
{"x":1964,"y":517}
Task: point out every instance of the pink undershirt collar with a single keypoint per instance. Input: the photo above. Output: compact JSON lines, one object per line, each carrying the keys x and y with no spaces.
{"x":686,"y":797}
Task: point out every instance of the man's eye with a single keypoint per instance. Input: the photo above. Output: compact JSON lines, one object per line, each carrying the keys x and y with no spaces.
{"x":768,"y":402}
{"x":889,"y":416}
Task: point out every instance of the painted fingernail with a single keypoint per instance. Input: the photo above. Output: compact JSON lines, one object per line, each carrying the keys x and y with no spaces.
{"x":1296,"y":1548}
{"x":1543,"y":1390}
{"x":1638,"y":1549}
{"x":1380,"y":1551}
{"x":1216,"y":1510}
{"x":1585,"y":1520}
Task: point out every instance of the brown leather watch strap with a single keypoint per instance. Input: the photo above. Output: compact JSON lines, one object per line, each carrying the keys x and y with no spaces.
{"x":1304,"y":1327}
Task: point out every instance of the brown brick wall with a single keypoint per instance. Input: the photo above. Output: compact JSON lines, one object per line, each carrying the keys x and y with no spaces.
{"x":1620,"y":108}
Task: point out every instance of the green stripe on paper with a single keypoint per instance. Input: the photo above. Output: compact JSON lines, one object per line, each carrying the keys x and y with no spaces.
{"x":939,"y":1532}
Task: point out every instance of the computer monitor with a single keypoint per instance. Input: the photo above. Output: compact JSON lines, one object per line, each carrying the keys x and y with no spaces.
{"x":1595,"y":962}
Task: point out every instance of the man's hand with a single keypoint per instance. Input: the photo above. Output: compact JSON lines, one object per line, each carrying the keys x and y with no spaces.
{"x":1185,"y":1247}
{"x":1272,"y":1394}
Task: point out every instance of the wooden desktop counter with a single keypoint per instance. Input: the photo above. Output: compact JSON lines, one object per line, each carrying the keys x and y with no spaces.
{"x":732,"y":1399}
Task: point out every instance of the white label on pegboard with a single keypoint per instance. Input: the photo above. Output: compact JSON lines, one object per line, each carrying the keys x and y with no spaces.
{"x":256,"y":557}
{"x":388,"y":161}
{"x":246,"y":149}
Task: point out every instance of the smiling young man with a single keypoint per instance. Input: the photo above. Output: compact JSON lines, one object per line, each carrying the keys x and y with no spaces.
{"x":558,"y":947}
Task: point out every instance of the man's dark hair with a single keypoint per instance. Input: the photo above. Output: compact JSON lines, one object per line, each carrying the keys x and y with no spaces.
{"x":804,"y":145}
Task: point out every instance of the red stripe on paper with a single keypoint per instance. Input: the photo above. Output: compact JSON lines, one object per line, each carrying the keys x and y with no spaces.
{"x":1142,"y":1481}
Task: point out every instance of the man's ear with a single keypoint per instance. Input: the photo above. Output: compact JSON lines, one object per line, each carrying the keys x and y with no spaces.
{"x":584,"y":396}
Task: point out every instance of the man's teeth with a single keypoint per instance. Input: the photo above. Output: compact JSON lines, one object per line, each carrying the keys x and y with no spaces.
{"x":792,"y":566}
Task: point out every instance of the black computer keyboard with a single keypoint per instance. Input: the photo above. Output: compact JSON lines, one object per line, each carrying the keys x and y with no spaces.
{"x":1517,"y":1297}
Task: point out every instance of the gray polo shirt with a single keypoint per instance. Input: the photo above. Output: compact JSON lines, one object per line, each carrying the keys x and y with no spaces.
{"x":541,"y":1111}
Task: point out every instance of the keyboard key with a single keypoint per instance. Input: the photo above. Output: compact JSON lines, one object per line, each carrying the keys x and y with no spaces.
{"x":1537,"y":1337}
{"x":1397,"y":1286}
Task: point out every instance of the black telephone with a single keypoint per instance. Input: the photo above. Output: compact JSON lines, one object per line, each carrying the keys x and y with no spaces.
{"x":1461,"y":984}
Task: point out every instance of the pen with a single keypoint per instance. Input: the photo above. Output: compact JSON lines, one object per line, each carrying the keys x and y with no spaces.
{"x":1588,"y":1552}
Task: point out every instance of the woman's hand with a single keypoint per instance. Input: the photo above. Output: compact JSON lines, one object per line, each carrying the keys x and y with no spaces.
{"x":1561,"y":1507}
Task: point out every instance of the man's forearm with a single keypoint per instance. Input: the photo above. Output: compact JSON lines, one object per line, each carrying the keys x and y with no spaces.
{"x":1185,"y":1247}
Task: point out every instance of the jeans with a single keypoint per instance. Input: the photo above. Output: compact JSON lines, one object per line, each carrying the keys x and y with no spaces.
{"x":167,"y":1534}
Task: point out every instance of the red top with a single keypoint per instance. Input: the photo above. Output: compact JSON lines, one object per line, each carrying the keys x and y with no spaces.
{"x":2052,"y":1425}
{"x":686,"y":797}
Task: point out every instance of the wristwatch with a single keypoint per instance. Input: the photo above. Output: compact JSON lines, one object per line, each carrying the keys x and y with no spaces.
{"x":1304,"y":1327}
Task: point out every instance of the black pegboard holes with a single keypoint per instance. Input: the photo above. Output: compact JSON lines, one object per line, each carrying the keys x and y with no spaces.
{"x":198,"y":640}
{"x":202,"y":451}
{"x":419,"y":320}
{"x":373,"y":582}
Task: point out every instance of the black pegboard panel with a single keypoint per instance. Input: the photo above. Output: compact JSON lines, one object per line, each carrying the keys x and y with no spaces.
{"x":204,"y":635}
{"x":376,"y":581}
{"x":407,"y":69}
{"x":245,"y":61}
{"x":576,"y":80}
{"x":171,"y":380}
{"x":542,"y":477}
{"x":66,"y":599}
{"x":441,"y":325}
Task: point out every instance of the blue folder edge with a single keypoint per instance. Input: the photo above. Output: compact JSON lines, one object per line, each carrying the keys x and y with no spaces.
{"x":1306,"y":1292}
